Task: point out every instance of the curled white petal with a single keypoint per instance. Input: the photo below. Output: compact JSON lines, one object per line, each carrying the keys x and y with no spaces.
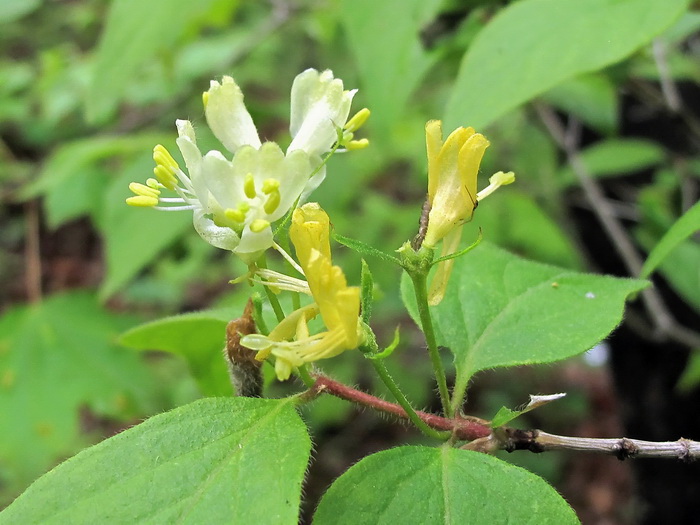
{"x":319,"y":105}
{"x":228,"y":117}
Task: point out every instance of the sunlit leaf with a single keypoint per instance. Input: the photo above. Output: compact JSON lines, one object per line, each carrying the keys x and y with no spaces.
{"x":198,"y":337}
{"x":440,"y":486}
{"x":500,"y":310}
{"x":532,"y":45}
{"x":236,"y":460}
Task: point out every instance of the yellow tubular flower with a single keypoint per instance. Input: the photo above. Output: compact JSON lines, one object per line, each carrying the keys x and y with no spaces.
{"x":452,"y":171}
{"x":338,"y":303}
{"x":453,"y":166}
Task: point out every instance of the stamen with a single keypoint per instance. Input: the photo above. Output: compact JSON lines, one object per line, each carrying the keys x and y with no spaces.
{"x":496,"y":181}
{"x":165,"y":176}
{"x":234,"y":215}
{"x":142,"y":201}
{"x":249,"y":186}
{"x":356,"y":144}
{"x":270,"y":185}
{"x":244,"y":207}
{"x":153,"y":183}
{"x":205,"y":99}
{"x":141,"y":189}
{"x":273,"y":202}
{"x":288,"y":258}
{"x":162,"y":156}
{"x":357,"y":121}
{"x":259,"y":225}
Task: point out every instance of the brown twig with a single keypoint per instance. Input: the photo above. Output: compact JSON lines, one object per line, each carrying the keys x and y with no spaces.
{"x":463,"y":428}
{"x":622,"y":448}
{"x":483,"y":438}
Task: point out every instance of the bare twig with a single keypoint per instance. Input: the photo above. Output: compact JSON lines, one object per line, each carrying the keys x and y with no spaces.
{"x":483,"y":438}
{"x":664,"y":322}
{"x":622,"y":448}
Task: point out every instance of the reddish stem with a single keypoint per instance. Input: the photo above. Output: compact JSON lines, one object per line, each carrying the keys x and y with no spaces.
{"x":464,"y":429}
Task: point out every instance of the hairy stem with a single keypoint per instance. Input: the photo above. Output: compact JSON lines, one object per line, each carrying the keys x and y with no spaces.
{"x":426,"y":321}
{"x":411,"y":414}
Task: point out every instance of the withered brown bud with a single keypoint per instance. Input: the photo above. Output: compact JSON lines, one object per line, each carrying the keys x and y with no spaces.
{"x":243,"y":368}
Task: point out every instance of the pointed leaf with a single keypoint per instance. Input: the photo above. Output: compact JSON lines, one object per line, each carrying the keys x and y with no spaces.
{"x":236,"y":460}
{"x":500,"y":310}
{"x":440,"y":486}
{"x":683,"y":228}
{"x":533,"y":45}
{"x":199,"y":337}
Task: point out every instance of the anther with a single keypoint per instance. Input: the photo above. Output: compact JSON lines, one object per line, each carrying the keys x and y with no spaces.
{"x":270,"y":185}
{"x":272,"y":202}
{"x":142,"y":201}
{"x":234,"y":214}
{"x":357,"y":121}
{"x":249,"y":186}
{"x":259,"y":225}
{"x":356,"y":144}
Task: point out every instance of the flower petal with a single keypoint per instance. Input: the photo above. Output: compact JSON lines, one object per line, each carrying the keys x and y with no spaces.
{"x":319,"y":104}
{"x":224,"y":238}
{"x":228,"y":117}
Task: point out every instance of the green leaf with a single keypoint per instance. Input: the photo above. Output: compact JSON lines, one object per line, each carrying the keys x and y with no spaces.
{"x":613,"y":157}
{"x":500,"y":310}
{"x":441,"y":486}
{"x":389,"y":54}
{"x":236,"y":460}
{"x":135,"y":236}
{"x":135,"y":32}
{"x":11,"y":10}
{"x":592,"y":98}
{"x":683,"y":228}
{"x":57,"y":356}
{"x":533,"y":45}
{"x":198,"y":337}
{"x":505,"y":415}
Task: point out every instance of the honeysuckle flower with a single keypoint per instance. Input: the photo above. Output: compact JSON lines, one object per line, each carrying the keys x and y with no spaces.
{"x":235,"y":200}
{"x":453,"y":166}
{"x":336,"y":302}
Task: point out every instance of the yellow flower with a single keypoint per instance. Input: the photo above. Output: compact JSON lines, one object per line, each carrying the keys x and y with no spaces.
{"x":338,"y":303}
{"x":453,"y":166}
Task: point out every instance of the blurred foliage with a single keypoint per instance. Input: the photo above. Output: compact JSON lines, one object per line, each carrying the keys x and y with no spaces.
{"x":88,"y":87}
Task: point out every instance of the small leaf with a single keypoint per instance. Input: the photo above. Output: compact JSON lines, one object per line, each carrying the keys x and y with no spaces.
{"x":363,"y":248}
{"x":199,"y":337}
{"x":440,"y":486}
{"x":500,"y":310}
{"x":533,"y":45}
{"x":505,"y":415}
{"x":683,"y":228}
{"x":237,"y":460}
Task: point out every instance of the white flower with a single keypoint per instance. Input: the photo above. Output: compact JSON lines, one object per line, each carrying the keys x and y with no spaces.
{"x":235,"y":200}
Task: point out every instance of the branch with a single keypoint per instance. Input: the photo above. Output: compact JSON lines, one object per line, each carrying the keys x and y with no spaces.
{"x":482,"y":438}
{"x":464,"y":429}
{"x":622,"y":448}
